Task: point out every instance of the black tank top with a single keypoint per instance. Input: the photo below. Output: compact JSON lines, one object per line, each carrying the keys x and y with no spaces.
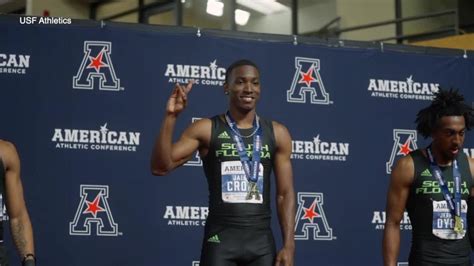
{"x":221,"y":157}
{"x":427,"y":247}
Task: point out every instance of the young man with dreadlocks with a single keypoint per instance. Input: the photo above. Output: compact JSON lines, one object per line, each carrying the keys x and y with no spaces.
{"x":239,"y":150}
{"x":434,"y":185}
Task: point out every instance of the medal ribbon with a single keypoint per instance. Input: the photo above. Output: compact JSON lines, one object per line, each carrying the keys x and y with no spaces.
{"x":454,"y":204}
{"x":250,"y":166}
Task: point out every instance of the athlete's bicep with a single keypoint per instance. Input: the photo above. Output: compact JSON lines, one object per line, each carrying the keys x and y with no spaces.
{"x":399,"y":189}
{"x":282,"y":162}
{"x":194,"y":137}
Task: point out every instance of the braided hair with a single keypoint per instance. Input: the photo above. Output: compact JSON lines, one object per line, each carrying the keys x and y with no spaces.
{"x":446,"y":103}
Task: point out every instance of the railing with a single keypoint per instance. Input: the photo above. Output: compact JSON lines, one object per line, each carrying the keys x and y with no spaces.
{"x":326,"y":31}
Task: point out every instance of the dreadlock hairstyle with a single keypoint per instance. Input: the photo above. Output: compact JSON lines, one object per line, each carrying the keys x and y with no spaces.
{"x":241,"y":62}
{"x":445,"y":103}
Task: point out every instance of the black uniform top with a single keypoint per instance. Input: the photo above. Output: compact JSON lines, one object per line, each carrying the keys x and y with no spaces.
{"x":425,"y":189}
{"x":222,"y":149}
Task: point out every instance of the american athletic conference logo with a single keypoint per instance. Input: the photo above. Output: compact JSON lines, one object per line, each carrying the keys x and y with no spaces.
{"x":211,"y":75}
{"x":407,"y":89}
{"x":310,"y":217}
{"x":96,"y":69}
{"x":404,"y":142}
{"x":14,"y":63}
{"x":307,"y":81}
{"x":94,"y":209}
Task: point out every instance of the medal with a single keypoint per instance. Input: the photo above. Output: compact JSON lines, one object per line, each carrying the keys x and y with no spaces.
{"x":458,"y":224}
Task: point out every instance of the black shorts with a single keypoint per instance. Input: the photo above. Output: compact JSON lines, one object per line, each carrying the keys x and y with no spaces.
{"x":237,"y":246}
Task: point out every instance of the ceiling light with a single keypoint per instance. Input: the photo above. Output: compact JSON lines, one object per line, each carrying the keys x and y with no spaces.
{"x":215,"y":8}
{"x":241,"y":17}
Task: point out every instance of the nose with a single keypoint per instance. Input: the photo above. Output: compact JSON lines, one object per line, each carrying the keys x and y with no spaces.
{"x":248,"y":87}
{"x":458,"y":139}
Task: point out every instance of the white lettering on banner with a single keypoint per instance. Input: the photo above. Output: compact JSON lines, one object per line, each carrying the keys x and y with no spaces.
{"x":379,"y":219}
{"x":319,"y":150}
{"x":14,"y":63}
{"x":13,"y":60}
{"x":399,"y":89}
{"x":103,"y":139}
{"x":186,"y":215}
{"x":205,"y":75}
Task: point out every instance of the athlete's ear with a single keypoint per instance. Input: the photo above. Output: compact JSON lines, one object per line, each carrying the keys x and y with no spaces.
{"x":226,"y":88}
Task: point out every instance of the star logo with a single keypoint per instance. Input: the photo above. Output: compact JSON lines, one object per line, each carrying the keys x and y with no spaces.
{"x":404,"y":148}
{"x":93,"y":207}
{"x":213,"y":64}
{"x":307,"y":77}
{"x":310,"y":213}
{"x":96,"y":62}
{"x":104,"y":129}
{"x":410,"y":79}
{"x":316,"y":140}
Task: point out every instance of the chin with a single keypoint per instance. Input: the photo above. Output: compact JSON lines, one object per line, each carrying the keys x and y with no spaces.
{"x":247,"y":108}
{"x":450,"y":156}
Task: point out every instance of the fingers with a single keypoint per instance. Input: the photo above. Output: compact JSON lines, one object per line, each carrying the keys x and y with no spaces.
{"x":278,"y":260}
{"x":180,"y":96}
{"x":283,"y":259}
{"x":189,"y":86}
{"x":185,"y":89}
{"x":181,"y":92}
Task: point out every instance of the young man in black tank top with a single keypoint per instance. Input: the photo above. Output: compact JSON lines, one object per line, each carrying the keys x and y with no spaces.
{"x":11,"y":193}
{"x":238,"y":226}
{"x":435,"y":186}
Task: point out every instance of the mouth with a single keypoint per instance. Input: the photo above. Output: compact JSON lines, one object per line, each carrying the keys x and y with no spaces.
{"x":454,"y":150}
{"x":247,"y":98}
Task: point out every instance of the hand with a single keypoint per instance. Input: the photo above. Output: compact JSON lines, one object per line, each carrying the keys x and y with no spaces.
{"x":285,"y":257}
{"x":179,"y":98}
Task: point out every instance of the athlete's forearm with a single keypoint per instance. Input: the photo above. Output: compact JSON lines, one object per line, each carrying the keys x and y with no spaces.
{"x":161,"y":160}
{"x":22,"y":234}
{"x":286,"y":215}
{"x":391,"y":243}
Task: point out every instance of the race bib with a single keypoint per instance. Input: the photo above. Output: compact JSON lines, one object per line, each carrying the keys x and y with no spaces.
{"x":235,"y":186}
{"x":443,"y":221}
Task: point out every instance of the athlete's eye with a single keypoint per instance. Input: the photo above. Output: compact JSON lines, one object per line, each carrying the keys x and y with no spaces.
{"x":449,"y":132}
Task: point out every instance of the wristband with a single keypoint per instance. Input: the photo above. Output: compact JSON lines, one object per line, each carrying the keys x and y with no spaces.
{"x":29,"y":262}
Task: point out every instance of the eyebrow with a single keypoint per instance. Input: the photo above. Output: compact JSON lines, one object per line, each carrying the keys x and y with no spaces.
{"x":453,"y":130}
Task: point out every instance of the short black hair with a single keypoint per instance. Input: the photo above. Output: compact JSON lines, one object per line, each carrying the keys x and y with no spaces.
{"x":446,"y":103}
{"x":241,"y":62}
